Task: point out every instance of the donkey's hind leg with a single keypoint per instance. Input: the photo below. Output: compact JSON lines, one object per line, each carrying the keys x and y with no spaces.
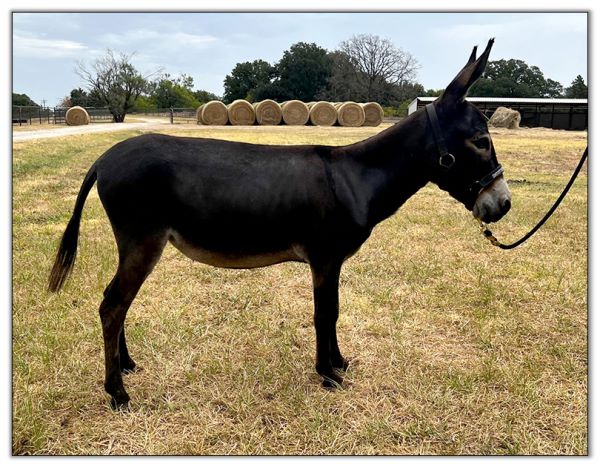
{"x":127,"y":363}
{"x":136,"y":261}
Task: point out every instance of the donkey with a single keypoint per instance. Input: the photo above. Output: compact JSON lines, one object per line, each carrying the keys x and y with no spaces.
{"x":239,"y":205}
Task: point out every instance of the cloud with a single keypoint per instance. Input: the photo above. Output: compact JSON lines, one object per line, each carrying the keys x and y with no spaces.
{"x":38,"y":47}
{"x":550,"y":23}
{"x":159,"y":40}
{"x":54,"y":21}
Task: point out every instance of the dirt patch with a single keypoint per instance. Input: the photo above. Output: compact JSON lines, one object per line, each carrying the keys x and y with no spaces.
{"x":60,"y":131}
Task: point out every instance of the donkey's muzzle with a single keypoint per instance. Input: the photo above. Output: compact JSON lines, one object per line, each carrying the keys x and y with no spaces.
{"x":493,"y":202}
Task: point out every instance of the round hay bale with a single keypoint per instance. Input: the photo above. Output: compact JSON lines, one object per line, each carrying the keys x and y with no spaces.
{"x":241,"y":112}
{"x":213,"y":113}
{"x":323,"y":114}
{"x":350,"y":114}
{"x":77,"y":116}
{"x":199,"y":115}
{"x":295,"y":112}
{"x":504,"y":117}
{"x":268,"y":112}
{"x":373,"y":114}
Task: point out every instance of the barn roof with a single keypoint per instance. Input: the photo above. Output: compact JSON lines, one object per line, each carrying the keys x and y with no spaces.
{"x":515,"y":100}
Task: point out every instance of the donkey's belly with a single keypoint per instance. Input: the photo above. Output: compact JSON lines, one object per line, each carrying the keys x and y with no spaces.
{"x":235,"y":260}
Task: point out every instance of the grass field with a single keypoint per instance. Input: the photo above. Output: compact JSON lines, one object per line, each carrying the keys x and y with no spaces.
{"x":457,"y":347}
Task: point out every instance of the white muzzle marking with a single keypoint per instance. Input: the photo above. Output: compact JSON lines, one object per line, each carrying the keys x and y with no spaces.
{"x":493,"y":202}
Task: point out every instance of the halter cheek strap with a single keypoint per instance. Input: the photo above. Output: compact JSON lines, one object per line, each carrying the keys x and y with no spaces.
{"x":447,"y":160}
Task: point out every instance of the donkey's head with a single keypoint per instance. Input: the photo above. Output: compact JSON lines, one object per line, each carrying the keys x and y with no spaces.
{"x":464,"y":161}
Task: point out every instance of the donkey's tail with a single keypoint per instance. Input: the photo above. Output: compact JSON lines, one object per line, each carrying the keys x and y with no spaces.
{"x":65,"y":257}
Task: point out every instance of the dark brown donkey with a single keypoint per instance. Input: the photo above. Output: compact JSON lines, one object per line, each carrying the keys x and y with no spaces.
{"x":238,"y":205}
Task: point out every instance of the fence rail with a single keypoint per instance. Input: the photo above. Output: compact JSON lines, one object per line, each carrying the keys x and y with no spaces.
{"x":27,"y":115}
{"x":183,"y":115}
{"x":36,"y":115}
{"x":159,"y":112}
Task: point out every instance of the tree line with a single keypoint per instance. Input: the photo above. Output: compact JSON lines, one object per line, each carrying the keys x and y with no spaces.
{"x":363,"y":68}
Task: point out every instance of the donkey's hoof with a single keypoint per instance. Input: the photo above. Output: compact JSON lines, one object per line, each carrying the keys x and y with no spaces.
{"x":342,"y":364}
{"x":120,"y":402}
{"x":128,"y":369}
{"x":119,"y":406}
{"x":128,"y":366}
{"x":332,"y":382}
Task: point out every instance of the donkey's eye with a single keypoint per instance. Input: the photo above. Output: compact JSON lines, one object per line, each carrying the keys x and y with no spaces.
{"x":482,"y":143}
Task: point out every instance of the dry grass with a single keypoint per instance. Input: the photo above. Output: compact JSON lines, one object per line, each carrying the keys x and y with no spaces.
{"x":458,"y":347}
{"x":36,"y":126}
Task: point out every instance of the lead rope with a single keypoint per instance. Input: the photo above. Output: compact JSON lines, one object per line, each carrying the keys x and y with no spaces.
{"x":487,"y":233}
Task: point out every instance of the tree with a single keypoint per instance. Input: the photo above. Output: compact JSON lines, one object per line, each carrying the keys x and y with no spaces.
{"x":204,"y":96}
{"x":245,"y":77}
{"x":77,"y":97}
{"x":22,"y":100}
{"x":342,"y":84}
{"x":270,"y":91}
{"x":116,"y":81}
{"x":514,"y":78}
{"x":81,"y":97}
{"x":169,"y":92}
{"x":65,"y":102}
{"x":553,"y":88}
{"x":145,"y":104}
{"x":303,"y":71}
{"x":378,"y":62}
{"x":403,"y":92}
{"x":433,"y":92}
{"x":578,"y":89}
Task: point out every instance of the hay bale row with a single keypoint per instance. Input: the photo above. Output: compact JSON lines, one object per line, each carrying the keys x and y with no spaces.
{"x":294,"y":112}
{"x":350,"y":114}
{"x":77,"y":116}
{"x":268,"y":112}
{"x":241,"y":112}
{"x":212,"y":113}
{"x":322,"y":113}
{"x":373,"y":114}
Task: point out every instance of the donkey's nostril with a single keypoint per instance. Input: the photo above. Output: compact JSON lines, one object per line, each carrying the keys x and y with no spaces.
{"x":506,"y":206}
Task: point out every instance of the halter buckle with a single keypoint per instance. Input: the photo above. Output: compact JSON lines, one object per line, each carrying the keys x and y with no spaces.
{"x":447,"y":161}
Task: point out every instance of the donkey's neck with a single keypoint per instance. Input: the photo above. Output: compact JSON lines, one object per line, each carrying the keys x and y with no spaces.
{"x":381,"y":173}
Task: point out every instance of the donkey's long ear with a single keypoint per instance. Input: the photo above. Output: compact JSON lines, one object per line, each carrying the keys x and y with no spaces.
{"x":458,"y":88}
{"x":469,"y":62}
{"x":473,"y":56}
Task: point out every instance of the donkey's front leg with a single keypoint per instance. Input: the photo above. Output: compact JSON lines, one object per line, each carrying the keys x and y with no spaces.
{"x":325,"y":288}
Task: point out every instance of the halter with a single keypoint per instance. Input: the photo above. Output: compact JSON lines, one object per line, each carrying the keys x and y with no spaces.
{"x":447,"y":160}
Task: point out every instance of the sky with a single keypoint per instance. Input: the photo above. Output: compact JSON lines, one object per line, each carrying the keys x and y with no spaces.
{"x":206,"y":46}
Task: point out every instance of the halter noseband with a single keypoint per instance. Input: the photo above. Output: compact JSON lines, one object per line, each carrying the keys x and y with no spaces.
{"x":447,"y":160}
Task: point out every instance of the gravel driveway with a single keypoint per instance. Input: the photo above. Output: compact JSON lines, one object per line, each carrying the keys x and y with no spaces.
{"x":83,"y":129}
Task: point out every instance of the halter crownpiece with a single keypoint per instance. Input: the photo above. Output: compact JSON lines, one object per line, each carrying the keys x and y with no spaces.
{"x":447,"y":160}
